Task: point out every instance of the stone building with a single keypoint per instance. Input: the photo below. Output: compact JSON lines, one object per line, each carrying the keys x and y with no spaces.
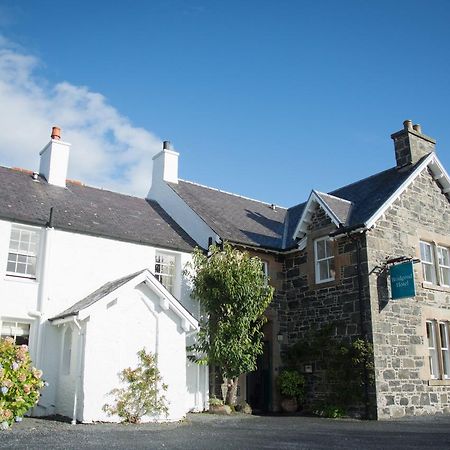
{"x":330,"y":258}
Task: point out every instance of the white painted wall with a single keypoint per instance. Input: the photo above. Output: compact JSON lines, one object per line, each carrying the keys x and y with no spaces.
{"x":75,"y":266}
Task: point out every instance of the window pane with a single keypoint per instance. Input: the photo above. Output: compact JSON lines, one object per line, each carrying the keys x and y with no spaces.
{"x":445,"y":276}
{"x":425,"y":252}
{"x":328,"y":248}
{"x":320,"y":245}
{"x":21,"y":268}
{"x":14,"y":245}
{"x":323,"y":270}
{"x":11,"y":266}
{"x":429,"y":273}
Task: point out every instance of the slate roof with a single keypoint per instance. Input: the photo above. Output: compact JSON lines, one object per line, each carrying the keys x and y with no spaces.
{"x":234,"y":218}
{"x":340,"y":207}
{"x":88,"y":210}
{"x":95,"y":296}
{"x":250,"y":222}
{"x":355,"y":203}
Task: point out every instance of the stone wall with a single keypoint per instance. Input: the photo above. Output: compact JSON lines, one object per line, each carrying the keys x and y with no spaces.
{"x":309,"y":306}
{"x":403,"y":381}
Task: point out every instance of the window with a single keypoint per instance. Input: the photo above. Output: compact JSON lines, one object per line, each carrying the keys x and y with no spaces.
{"x":20,"y":332}
{"x":438,"y":349}
{"x":427,"y":258}
{"x":165,"y":270}
{"x":444,"y":266}
{"x":324,"y":259}
{"x":435,"y":263}
{"x":23,"y":246}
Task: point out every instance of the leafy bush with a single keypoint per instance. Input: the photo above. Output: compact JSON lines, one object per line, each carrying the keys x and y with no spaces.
{"x":329,"y":411}
{"x":20,"y":382}
{"x":214,"y":401}
{"x":291,"y":384}
{"x":140,"y":396}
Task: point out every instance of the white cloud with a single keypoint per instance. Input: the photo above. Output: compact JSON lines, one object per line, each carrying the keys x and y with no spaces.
{"x":107,"y":150}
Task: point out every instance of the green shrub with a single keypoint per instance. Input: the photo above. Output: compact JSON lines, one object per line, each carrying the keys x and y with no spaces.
{"x":20,"y":382}
{"x":214,"y":401}
{"x":291,"y":384}
{"x":329,"y":411}
{"x":141,"y":395}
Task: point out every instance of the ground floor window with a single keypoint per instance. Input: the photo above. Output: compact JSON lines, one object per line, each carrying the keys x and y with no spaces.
{"x":438,"y":349}
{"x":19,"y":331}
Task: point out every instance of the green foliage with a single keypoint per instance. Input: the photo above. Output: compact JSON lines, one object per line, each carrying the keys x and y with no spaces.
{"x":20,"y":382}
{"x":323,"y":409}
{"x":232,"y":290}
{"x":214,"y":401}
{"x":341,"y":364}
{"x":140,"y":396}
{"x":291,"y":384}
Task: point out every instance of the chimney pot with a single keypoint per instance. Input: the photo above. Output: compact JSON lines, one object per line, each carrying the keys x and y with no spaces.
{"x":56,"y":133}
{"x":417,"y":128}
{"x":407,"y":125}
{"x":166,"y":145}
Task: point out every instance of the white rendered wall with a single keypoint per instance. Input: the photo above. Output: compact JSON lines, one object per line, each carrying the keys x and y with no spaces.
{"x":115,"y":334}
{"x":75,"y":266}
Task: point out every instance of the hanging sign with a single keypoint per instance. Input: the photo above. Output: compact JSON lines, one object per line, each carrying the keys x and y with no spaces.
{"x":402,"y":280}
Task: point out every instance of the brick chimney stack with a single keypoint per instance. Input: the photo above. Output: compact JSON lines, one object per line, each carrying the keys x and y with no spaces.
{"x":411,"y":145}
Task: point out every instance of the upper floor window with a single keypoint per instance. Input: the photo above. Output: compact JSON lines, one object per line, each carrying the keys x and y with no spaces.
{"x":20,"y":332}
{"x":22,"y":255}
{"x":165,"y":265}
{"x":438,"y":349}
{"x":435,"y":261}
{"x":324,"y":259}
{"x":428,"y":263}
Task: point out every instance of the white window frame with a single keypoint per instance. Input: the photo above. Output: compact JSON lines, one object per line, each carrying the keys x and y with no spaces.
{"x":438,"y":349}
{"x":433,"y":355}
{"x":442,"y":267}
{"x":435,"y":265}
{"x":16,"y":322}
{"x":327,"y":258}
{"x":427,"y":263}
{"x":163,"y":276}
{"x":28,"y":254}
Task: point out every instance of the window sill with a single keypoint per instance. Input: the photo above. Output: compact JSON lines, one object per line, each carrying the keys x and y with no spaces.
{"x":435,"y":287}
{"x":20,"y":279}
{"x":439,"y":382}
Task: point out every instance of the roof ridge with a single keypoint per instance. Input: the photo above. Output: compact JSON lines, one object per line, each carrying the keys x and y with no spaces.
{"x":231,"y":193}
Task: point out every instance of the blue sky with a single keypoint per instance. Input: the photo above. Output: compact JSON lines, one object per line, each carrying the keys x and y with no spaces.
{"x":267,"y":99}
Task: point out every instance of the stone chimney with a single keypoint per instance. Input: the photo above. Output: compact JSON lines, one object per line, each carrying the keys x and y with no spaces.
{"x":165,"y":165}
{"x":55,"y":159}
{"x":411,"y":145}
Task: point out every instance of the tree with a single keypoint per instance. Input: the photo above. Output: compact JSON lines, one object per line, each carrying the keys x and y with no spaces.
{"x":233,"y":293}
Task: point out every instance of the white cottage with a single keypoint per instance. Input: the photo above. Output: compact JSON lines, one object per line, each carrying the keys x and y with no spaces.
{"x":87,"y":278}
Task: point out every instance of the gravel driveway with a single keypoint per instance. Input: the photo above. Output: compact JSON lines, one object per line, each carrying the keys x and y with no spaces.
{"x":204,"y":431}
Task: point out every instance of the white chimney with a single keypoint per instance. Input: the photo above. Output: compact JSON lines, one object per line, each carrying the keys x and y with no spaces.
{"x":165,"y":165}
{"x":55,"y":159}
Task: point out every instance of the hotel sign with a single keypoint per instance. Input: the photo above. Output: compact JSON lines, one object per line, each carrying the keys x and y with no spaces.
{"x":402,"y":280}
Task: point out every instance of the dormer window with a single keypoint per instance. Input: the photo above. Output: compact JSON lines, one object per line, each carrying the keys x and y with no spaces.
{"x":22,"y":254}
{"x":324,"y":260}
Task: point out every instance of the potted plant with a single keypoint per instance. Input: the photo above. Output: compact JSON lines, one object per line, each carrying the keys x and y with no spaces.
{"x":292,"y":389}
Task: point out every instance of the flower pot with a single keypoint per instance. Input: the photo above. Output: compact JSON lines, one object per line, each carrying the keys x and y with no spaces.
{"x":289,"y":405}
